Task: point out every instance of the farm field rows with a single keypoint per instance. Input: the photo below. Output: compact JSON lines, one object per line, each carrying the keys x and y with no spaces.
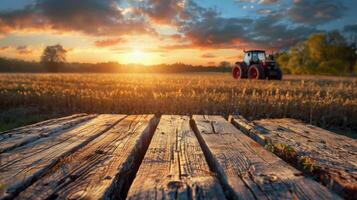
{"x":329,"y":102}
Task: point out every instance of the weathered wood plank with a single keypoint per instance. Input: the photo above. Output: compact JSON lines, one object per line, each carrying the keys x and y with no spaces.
{"x":174,"y":166}
{"x":100,"y":170}
{"x":330,"y":158}
{"x":43,"y":123}
{"x":17,"y":138}
{"x":22,"y":166}
{"x":247,"y":170}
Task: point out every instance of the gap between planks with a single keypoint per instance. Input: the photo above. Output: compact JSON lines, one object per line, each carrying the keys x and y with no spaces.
{"x":103,"y":169}
{"x":248,"y":171}
{"x":174,"y":166}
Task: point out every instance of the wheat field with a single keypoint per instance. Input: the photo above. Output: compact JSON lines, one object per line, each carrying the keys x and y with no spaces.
{"x":323,"y":101}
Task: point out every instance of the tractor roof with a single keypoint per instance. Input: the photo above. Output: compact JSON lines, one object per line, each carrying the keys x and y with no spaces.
{"x":254,"y":51}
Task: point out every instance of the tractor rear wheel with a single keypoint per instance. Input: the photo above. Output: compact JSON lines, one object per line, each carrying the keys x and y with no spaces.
{"x":256,"y":72}
{"x":240,"y":71}
{"x":279,"y":75}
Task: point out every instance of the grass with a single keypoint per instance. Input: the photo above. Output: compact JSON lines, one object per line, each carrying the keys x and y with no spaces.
{"x":289,"y":154}
{"x":21,"y":116}
{"x":329,"y":102}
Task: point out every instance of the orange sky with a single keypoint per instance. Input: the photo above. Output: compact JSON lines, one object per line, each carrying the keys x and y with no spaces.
{"x":136,"y":48}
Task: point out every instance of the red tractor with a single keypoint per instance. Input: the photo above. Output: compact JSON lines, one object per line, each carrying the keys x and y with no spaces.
{"x":256,"y":65}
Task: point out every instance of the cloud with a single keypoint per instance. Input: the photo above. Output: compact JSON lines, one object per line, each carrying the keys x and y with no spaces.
{"x":23,"y":50}
{"x":3,"y":48}
{"x":108,"y":42}
{"x":176,"y":37}
{"x":246,"y":1}
{"x":211,"y":63}
{"x":268,"y":32}
{"x":210,"y":30}
{"x":268,"y":2}
{"x":264,"y":11}
{"x":208,"y":55}
{"x":351,"y":28}
{"x":315,"y":12}
{"x":162,"y":11}
{"x":196,"y":27}
{"x":93,"y":17}
{"x":262,"y":2}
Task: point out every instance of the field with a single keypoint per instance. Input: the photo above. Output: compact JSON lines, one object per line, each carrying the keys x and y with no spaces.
{"x":323,"y":101}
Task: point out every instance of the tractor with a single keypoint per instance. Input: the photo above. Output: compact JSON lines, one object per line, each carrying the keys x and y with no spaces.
{"x":256,"y":65}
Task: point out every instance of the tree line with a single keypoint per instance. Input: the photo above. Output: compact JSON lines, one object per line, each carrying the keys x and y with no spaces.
{"x":20,"y":66}
{"x":324,"y":53}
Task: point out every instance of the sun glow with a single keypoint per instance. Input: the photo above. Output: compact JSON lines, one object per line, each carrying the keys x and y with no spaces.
{"x":139,"y":56}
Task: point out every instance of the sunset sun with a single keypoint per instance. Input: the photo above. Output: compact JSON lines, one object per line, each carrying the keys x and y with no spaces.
{"x":137,"y":54}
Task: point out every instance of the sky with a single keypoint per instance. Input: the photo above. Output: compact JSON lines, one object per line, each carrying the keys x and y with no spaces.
{"x":198,"y":32}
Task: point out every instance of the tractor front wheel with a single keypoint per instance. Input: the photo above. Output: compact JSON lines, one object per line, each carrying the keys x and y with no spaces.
{"x":256,"y":72}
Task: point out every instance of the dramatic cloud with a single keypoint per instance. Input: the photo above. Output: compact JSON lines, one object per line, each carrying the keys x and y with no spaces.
{"x":211,"y":30}
{"x":269,"y":32}
{"x":162,"y":11}
{"x":214,"y":31}
{"x":264,"y":11}
{"x":95,"y":17}
{"x":268,"y":2}
{"x":351,"y":28}
{"x":180,"y":24}
{"x":314,"y":12}
{"x":23,"y":50}
{"x":108,"y":42}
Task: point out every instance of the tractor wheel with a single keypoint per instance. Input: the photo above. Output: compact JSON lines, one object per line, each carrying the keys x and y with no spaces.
{"x":239,"y":72}
{"x":256,"y":72}
{"x":279,"y":75}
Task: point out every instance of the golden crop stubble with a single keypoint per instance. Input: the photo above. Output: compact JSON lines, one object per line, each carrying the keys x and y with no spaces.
{"x":320,"y":100}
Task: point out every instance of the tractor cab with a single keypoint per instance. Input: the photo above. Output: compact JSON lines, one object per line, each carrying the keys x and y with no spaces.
{"x":254,"y":57}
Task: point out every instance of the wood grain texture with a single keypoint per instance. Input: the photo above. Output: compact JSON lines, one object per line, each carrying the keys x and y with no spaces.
{"x":247,"y":170}
{"x":174,"y":166}
{"x":22,"y":166}
{"x":333,"y":157}
{"x":99,"y":170}
{"x":20,"y":137}
{"x":43,"y":123}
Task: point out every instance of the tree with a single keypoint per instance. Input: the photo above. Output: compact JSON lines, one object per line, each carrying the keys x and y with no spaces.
{"x":53,"y":57}
{"x":225,"y":64}
{"x":323,"y":53}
